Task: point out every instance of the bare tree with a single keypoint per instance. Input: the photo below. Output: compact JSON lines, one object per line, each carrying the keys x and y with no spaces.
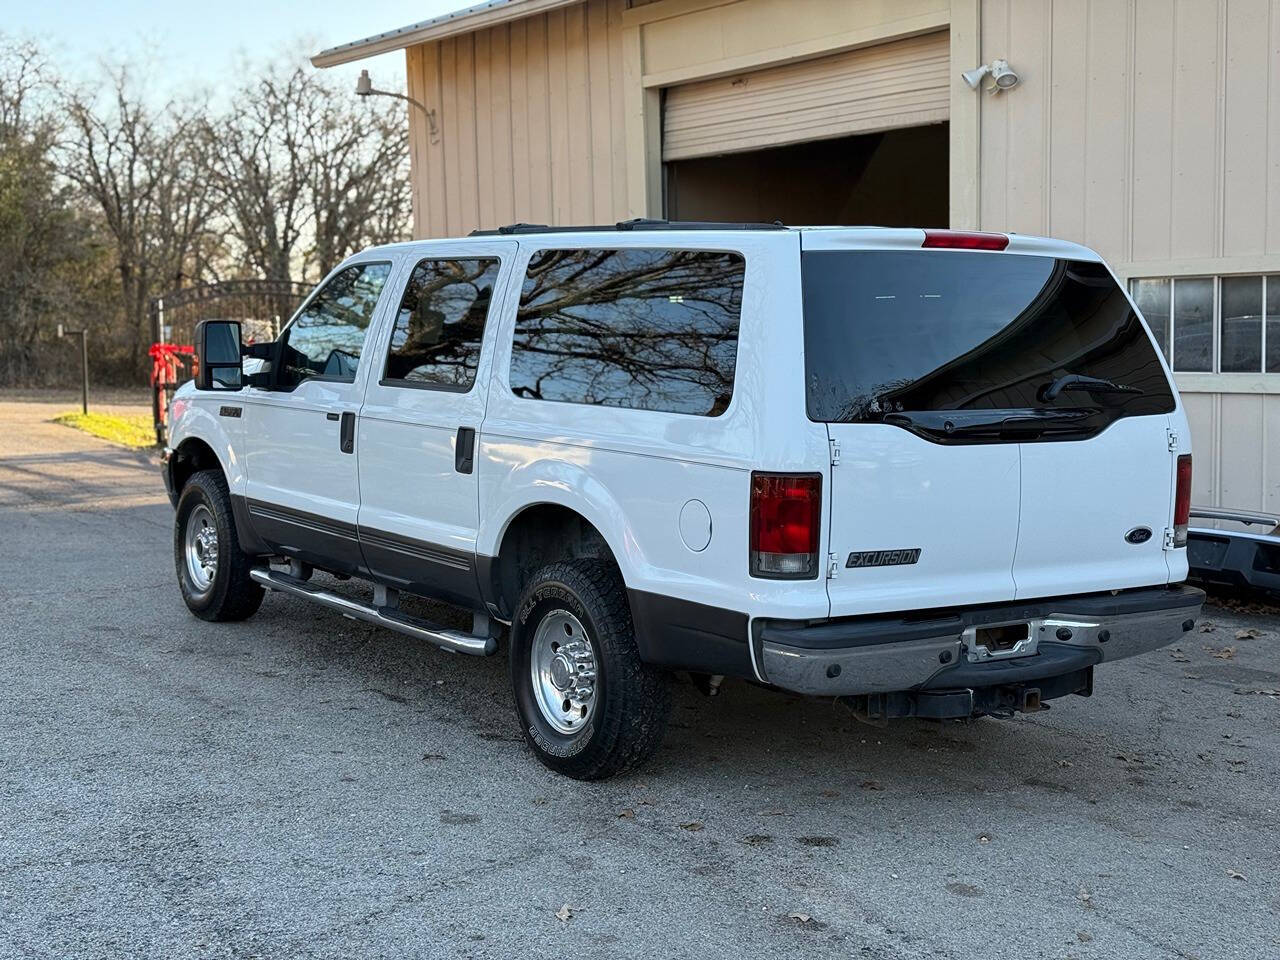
{"x":360,"y":192}
{"x":107,"y":200}
{"x":24,"y":73}
{"x":143,"y":171}
{"x":306,"y":174}
{"x":259,"y":170}
{"x":48,"y":246}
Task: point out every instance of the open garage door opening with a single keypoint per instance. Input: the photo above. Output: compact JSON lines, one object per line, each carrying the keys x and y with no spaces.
{"x":896,"y":178}
{"x":860,"y":137}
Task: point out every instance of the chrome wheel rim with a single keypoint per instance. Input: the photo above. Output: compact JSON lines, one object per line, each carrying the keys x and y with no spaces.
{"x":562,"y":664}
{"x":200,"y":547}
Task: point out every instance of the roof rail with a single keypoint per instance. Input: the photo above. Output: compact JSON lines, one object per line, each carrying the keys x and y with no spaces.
{"x":640,"y":223}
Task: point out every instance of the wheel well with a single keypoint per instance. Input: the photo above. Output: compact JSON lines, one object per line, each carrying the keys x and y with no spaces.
{"x":540,"y":535}
{"x":191,"y":455}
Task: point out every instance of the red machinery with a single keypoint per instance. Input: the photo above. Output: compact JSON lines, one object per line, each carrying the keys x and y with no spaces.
{"x":172,"y":364}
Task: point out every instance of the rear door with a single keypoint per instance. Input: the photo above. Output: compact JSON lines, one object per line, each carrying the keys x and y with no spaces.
{"x":914,"y":523}
{"x":965,"y":476}
{"x":421,"y":417}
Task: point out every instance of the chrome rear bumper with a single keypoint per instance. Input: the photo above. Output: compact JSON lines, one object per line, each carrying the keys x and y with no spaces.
{"x":885,"y":655}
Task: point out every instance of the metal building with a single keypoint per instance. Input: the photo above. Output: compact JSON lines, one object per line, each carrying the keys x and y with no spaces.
{"x":1148,"y":129}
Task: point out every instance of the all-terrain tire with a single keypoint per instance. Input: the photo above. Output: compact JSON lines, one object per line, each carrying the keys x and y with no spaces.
{"x":229,"y":594}
{"x":631,"y":699}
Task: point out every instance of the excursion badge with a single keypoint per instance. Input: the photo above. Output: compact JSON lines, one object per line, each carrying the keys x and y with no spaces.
{"x":883,"y":558}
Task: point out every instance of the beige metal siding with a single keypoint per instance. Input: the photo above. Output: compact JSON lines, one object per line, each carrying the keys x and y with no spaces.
{"x":901,"y":84}
{"x":529,"y":119}
{"x":1150,"y":130}
{"x":1237,"y":449}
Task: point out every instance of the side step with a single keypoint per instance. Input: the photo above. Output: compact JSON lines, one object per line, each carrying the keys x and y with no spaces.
{"x":384,"y":616}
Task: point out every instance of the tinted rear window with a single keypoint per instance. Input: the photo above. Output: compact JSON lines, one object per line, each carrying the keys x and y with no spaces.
{"x":646,"y":329}
{"x":897,"y":331}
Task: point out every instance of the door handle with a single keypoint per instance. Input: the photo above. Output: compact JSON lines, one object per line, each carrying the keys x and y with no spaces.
{"x":347,"y":433}
{"x":464,"y":450}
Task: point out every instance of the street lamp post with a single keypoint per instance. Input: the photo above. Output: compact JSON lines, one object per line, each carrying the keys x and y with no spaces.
{"x":84,"y":363}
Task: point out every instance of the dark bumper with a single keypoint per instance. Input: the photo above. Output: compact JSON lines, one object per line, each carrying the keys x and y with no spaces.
{"x":1235,"y":559}
{"x":934,"y":650}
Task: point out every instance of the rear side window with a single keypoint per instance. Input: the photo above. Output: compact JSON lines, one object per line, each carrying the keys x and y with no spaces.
{"x":439,"y":327}
{"x":894,"y":331}
{"x":645,"y":329}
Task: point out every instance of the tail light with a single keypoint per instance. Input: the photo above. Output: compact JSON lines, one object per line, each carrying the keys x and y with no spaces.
{"x":786,"y":511}
{"x":1182,"y":501}
{"x":962,"y":240}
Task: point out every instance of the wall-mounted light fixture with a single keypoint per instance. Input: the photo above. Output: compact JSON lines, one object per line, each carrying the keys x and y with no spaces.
{"x":365,"y":88}
{"x":998,"y":70}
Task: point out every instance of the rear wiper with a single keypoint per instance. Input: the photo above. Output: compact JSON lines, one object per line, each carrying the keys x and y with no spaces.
{"x":1013,"y":424}
{"x":1075,"y":381}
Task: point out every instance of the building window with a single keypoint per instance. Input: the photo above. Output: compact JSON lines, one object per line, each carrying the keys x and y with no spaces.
{"x":644,"y":329}
{"x":1214,"y":324}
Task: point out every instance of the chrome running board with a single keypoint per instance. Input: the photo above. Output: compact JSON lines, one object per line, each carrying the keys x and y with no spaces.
{"x":384,"y":616}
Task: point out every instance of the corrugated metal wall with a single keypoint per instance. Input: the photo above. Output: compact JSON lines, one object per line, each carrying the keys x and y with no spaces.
{"x":1140,"y":128}
{"x":1150,"y":130}
{"x":530,"y":123}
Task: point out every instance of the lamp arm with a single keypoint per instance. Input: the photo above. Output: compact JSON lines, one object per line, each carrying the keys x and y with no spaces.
{"x":429,"y":114}
{"x":400,"y":96}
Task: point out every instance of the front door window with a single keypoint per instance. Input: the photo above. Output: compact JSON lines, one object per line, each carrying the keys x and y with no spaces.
{"x":326,"y":338}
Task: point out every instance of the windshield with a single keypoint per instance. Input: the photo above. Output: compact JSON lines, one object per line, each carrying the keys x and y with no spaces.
{"x":888,"y":332}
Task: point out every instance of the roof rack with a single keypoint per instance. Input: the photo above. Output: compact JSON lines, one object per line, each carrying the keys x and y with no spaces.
{"x":640,"y":223}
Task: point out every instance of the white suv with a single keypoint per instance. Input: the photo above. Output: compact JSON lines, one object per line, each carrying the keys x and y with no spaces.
{"x":937,"y":474}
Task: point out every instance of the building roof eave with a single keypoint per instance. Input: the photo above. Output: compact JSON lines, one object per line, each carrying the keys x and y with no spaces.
{"x":472,"y":18}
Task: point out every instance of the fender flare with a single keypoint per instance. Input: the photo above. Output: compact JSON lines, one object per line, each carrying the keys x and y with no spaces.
{"x":562,"y":484}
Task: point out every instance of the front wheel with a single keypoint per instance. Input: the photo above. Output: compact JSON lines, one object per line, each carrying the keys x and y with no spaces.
{"x":589,"y":707}
{"x":213,"y":572}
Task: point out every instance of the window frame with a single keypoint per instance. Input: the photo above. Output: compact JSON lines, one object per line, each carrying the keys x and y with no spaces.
{"x":517,"y":287}
{"x":1215,"y":367}
{"x":494,"y":302}
{"x":278,"y":345}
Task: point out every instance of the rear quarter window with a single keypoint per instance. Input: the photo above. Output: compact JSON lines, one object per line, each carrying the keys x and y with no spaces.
{"x":636,"y":328}
{"x":893,"y":331}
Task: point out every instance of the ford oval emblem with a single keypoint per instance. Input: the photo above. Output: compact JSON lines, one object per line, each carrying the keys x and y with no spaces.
{"x":1138,"y":535}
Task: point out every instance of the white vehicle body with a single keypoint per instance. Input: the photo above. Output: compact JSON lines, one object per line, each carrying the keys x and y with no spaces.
{"x":1019,"y":524}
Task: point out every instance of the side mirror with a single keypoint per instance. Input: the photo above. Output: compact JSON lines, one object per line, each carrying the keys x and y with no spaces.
{"x":218,"y":355}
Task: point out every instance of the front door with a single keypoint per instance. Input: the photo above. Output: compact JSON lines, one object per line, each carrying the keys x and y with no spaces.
{"x":300,"y":434}
{"x":419,"y":426}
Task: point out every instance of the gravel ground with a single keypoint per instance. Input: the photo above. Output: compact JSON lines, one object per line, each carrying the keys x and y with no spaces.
{"x":302,"y":785}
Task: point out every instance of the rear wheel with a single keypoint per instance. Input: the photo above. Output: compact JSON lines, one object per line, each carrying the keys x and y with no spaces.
{"x":213,"y":572}
{"x":588,"y":706}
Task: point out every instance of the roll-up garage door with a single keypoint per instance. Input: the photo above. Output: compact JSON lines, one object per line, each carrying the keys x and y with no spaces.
{"x":904,"y":83}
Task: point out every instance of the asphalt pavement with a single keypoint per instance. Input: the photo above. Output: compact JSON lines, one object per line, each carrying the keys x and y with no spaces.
{"x":301,"y":785}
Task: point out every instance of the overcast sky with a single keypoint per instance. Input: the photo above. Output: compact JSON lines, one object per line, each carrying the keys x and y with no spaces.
{"x":190,"y":46}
